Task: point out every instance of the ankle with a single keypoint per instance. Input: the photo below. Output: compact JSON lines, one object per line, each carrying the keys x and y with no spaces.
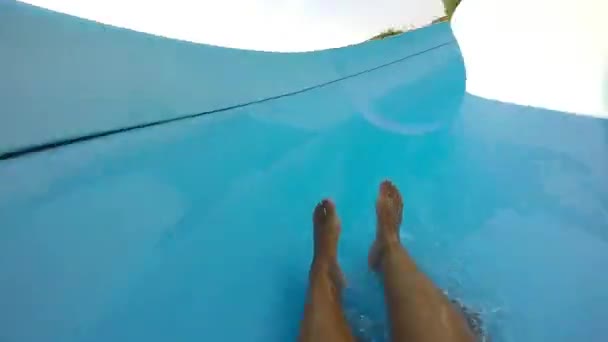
{"x":387,"y":237}
{"x":324,"y":257}
{"x":322,"y":266}
{"x":325,"y":252}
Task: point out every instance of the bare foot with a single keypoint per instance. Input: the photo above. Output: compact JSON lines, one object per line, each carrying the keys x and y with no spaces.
{"x":389,"y":213}
{"x":324,"y":318}
{"x":417,"y":309}
{"x":326,"y":234}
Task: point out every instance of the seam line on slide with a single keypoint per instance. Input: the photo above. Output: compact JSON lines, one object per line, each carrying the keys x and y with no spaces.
{"x":69,"y":141}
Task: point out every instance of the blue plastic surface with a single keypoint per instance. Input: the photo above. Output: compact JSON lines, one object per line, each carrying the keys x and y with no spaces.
{"x":200,"y":230}
{"x":80,"y":77}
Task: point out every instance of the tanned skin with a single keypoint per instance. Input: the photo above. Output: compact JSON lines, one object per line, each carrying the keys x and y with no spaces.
{"x":324,"y":319}
{"x":418,"y":310}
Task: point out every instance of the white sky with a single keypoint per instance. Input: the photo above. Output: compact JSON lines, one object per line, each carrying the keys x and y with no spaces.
{"x":270,"y":25}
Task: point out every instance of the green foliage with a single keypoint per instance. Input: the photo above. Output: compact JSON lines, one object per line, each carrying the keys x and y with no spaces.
{"x":387,"y":33}
{"x":440,"y":20}
{"x":450,"y":7}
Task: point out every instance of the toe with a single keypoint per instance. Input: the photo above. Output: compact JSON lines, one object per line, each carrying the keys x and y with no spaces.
{"x":389,"y":206}
{"x":388,"y":191}
{"x":324,"y":211}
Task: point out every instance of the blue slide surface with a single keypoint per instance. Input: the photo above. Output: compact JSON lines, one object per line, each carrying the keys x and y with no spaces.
{"x":199,"y":228}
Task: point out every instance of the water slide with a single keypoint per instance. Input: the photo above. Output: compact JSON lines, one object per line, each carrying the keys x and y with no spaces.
{"x":159,"y":190}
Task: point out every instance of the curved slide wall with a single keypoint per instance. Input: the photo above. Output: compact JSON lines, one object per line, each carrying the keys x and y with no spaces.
{"x":200,"y":229}
{"x":95,"y":78}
